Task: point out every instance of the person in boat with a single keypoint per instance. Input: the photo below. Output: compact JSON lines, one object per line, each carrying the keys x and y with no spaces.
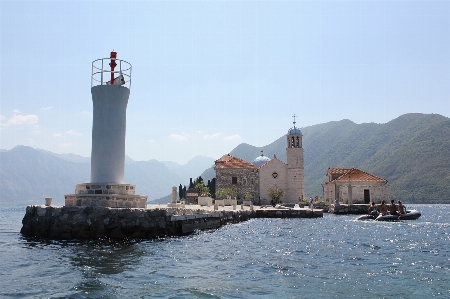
{"x":401,"y":208}
{"x":392,"y":208}
{"x":383,"y":208}
{"x":373,"y":209}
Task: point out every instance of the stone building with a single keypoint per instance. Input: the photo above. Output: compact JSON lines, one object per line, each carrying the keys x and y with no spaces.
{"x":232,"y":172}
{"x":265,"y":173}
{"x":191,"y":196}
{"x":351,"y":185}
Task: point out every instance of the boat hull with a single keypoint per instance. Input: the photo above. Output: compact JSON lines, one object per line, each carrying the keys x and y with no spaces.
{"x":367,"y":217}
{"x":410,"y":215}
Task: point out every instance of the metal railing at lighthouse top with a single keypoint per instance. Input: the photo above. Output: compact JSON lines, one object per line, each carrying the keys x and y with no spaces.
{"x":111,"y":71}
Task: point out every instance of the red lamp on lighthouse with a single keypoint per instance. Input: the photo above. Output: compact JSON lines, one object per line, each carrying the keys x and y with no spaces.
{"x":112,"y":64}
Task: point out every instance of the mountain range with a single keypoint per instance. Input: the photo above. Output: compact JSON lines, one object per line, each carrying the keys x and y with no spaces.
{"x":412,"y":152}
{"x":30,"y":175}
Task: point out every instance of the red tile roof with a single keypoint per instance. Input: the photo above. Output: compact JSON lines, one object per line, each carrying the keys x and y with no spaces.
{"x":229,"y":161}
{"x":355,"y":174}
{"x":337,"y":170}
{"x":224,"y":158}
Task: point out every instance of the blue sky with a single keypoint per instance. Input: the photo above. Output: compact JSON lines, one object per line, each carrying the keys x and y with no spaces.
{"x":209,"y":75}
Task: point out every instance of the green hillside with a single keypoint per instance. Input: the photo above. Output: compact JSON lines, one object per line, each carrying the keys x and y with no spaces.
{"x":412,"y":152}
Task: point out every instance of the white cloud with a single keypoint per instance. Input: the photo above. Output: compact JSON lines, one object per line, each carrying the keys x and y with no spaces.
{"x":47,"y":108}
{"x":23,"y":119}
{"x":57,"y":135}
{"x":65,"y":144}
{"x":212,"y":136}
{"x":72,"y":132}
{"x":232,"y":137}
{"x":85,"y":112}
{"x":180,"y":137}
{"x":2,"y":117}
{"x":18,"y":119}
{"x":16,"y":111}
{"x":151,"y":140}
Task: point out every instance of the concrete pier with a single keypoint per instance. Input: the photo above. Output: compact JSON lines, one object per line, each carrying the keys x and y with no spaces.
{"x":82,"y":222}
{"x":343,"y":209}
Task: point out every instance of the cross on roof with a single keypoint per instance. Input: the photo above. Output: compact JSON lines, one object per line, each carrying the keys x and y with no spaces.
{"x":294,"y":118}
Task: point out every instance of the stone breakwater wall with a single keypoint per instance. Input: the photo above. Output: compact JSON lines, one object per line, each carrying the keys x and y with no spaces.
{"x":70,"y":222}
{"x":98,"y":222}
{"x":287,"y":213}
{"x":344,"y":209}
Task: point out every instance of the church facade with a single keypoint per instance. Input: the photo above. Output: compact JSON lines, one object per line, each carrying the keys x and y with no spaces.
{"x":264,"y":173}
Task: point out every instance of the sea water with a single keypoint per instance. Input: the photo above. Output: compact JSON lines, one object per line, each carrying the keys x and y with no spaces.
{"x":329,"y":257}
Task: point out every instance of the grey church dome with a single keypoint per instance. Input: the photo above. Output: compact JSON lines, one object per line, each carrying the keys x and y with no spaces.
{"x":294,"y":130}
{"x":261,"y":160}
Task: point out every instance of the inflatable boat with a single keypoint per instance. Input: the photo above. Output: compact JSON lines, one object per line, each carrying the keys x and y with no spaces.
{"x":410,"y":215}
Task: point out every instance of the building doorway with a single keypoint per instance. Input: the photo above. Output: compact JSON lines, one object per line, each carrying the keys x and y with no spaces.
{"x":366,"y":196}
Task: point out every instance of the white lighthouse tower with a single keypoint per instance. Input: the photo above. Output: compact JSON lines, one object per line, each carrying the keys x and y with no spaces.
{"x":108,"y":129}
{"x":110,"y":89}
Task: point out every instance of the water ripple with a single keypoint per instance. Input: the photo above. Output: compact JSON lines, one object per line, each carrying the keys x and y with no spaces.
{"x":331,"y":257}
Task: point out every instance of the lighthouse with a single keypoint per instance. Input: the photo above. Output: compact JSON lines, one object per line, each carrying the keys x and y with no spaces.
{"x":109,"y":123}
{"x":110,"y":89}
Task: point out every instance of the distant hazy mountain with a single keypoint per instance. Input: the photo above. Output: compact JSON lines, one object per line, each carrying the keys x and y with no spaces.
{"x":412,"y":152}
{"x":191,"y":169}
{"x":29,"y":175}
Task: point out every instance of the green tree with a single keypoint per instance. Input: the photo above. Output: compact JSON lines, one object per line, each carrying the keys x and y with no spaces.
{"x":201,"y":188}
{"x":224,"y":192}
{"x":275,"y":194}
{"x":248,"y":196}
{"x":212,"y":187}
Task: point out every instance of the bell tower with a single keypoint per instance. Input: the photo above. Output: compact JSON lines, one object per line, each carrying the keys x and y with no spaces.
{"x":295,"y":165}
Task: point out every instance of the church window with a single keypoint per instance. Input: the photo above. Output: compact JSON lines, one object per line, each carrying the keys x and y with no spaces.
{"x":298,"y":142}
{"x":234,"y":180}
{"x":274,"y":174}
{"x":292,"y":142}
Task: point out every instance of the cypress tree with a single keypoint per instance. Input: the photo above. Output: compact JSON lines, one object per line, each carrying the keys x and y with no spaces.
{"x":212,"y":188}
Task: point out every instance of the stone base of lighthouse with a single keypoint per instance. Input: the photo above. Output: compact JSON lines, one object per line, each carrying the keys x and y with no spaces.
{"x":106,"y":195}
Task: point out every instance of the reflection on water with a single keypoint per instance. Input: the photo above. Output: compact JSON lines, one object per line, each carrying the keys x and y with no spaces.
{"x":94,"y":260}
{"x":334,"y":256}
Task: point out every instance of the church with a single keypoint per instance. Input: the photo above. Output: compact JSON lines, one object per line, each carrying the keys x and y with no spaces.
{"x":263,"y":173}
